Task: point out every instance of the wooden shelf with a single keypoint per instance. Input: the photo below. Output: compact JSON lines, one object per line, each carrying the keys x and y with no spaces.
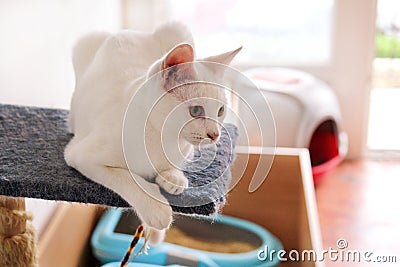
{"x":284,"y":203}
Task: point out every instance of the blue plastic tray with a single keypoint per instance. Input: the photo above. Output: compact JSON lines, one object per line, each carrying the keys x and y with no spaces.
{"x":110,"y":246}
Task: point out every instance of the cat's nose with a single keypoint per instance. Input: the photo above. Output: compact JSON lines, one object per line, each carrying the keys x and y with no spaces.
{"x":213,"y":136}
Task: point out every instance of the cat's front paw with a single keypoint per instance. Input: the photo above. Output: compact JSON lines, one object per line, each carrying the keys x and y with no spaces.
{"x":158,"y":216}
{"x":155,"y":236}
{"x":172,"y":181}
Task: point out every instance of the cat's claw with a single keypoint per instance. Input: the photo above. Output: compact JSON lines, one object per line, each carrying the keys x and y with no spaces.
{"x":172,"y":181}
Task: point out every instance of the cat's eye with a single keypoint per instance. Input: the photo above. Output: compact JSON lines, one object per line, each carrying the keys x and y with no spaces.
{"x":221,"y":111}
{"x":196,"y":111}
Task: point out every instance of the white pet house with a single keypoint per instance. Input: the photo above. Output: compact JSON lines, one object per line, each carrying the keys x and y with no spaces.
{"x":306,"y":114}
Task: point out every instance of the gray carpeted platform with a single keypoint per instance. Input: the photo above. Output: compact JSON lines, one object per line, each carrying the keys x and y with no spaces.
{"x":32,"y":142}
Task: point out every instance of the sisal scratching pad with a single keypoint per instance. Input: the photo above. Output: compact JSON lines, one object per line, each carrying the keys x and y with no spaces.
{"x":32,"y":142}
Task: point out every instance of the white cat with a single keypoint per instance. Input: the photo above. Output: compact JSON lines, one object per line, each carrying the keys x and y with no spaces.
{"x":109,"y":70}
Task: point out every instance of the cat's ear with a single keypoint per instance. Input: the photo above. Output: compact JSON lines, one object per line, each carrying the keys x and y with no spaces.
{"x":225,"y":58}
{"x":180,"y":54}
{"x":174,"y":70}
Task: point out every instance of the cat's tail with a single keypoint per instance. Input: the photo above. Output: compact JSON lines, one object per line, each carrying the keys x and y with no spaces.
{"x":85,"y":51}
{"x":171,"y":34}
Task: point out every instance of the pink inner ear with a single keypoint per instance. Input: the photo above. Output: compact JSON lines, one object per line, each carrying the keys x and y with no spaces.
{"x":180,"y":54}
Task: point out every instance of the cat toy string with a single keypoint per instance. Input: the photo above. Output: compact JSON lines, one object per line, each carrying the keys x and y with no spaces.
{"x":136,"y":237}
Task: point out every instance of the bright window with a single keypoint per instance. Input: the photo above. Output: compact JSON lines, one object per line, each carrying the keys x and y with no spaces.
{"x":272,"y":32}
{"x":384,"y":129}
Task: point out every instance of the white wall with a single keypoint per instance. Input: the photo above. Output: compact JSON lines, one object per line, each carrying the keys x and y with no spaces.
{"x":352,"y":67}
{"x":36,"y":38}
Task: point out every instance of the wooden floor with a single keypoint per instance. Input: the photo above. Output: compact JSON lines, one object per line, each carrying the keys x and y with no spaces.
{"x":359,"y":201}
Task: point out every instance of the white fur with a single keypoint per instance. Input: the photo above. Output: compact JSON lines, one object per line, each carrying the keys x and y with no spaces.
{"x":109,"y":68}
